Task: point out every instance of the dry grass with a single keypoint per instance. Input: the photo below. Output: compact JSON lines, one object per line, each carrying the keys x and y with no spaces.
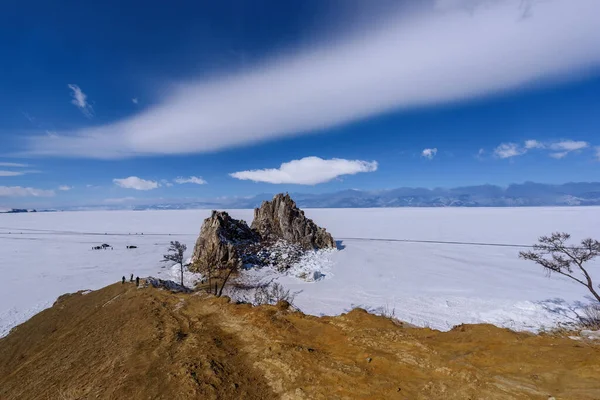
{"x":150,"y":343}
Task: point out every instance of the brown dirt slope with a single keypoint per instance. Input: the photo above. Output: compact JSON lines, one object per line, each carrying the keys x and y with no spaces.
{"x":126,"y":343}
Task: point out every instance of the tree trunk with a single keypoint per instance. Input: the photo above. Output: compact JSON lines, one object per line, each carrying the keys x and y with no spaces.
{"x":224,"y":282}
{"x":594,"y":293}
{"x":181,"y":265}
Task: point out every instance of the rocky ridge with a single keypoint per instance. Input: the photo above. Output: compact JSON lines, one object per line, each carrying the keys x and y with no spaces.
{"x":279,"y":236}
{"x":282,"y":219}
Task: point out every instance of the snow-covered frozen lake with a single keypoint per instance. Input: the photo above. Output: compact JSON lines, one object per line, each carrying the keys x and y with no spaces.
{"x":43,"y":255}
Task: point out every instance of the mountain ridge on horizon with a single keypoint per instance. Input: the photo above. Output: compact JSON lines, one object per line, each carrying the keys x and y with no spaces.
{"x":527,"y":194}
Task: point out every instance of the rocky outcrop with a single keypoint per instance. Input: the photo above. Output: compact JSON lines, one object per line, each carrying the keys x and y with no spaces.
{"x":223,"y":242}
{"x":279,"y":237}
{"x":282,"y":219}
{"x":165,"y":284}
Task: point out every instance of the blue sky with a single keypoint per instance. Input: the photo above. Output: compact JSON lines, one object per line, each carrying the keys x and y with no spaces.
{"x":106,"y":103}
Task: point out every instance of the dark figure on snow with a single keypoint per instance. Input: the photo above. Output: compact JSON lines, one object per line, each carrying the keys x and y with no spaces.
{"x":123,"y":281}
{"x":131,"y":279}
{"x":137,"y":281}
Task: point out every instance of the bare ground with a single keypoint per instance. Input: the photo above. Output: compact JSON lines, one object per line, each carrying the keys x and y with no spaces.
{"x":126,"y":343}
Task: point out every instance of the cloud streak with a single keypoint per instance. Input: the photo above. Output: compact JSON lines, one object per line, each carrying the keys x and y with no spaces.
{"x":19,"y":191}
{"x":192,"y":179}
{"x":439,"y":55}
{"x":11,"y":173}
{"x":307,"y":171}
{"x":80,"y":100}
{"x":558,"y":150}
{"x":133,"y":182}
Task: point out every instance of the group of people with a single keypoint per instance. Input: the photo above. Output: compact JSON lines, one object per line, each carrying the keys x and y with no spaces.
{"x":137,"y":280}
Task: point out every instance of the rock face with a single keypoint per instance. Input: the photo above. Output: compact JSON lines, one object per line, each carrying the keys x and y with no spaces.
{"x":279,"y":237}
{"x":223,"y":242}
{"x":282,"y":219}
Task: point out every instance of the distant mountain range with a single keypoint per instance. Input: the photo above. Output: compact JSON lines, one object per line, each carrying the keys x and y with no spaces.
{"x":527,"y":194}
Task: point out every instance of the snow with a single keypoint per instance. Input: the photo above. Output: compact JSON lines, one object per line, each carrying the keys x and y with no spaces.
{"x":43,"y":255}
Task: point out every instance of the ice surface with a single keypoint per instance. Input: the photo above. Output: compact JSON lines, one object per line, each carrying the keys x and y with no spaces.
{"x":43,"y":255}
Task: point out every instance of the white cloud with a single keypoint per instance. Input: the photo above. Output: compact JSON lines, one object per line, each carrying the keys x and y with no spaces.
{"x":133,"y":182}
{"x":134,"y":100}
{"x":19,"y":191}
{"x":598,"y":153}
{"x":480,"y":154}
{"x":508,"y":150}
{"x":569,"y":145}
{"x":429,"y":153}
{"x":307,"y":171}
{"x":13,"y":165}
{"x":80,"y":100}
{"x":191,"y":179}
{"x":19,"y":172}
{"x":565,"y":147}
{"x":533,"y":144}
{"x":166,"y":183}
{"x":559,"y":155}
{"x":558,"y":149}
{"x":11,"y":173}
{"x":65,"y":188}
{"x":119,"y":200}
{"x":356,"y":75}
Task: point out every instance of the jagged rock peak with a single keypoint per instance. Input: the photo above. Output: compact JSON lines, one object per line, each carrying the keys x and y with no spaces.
{"x":222,"y":242}
{"x":280,"y":218}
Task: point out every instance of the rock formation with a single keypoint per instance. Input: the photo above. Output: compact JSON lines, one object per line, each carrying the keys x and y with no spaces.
{"x":223,"y":242}
{"x":282,"y":219}
{"x":279,"y":237}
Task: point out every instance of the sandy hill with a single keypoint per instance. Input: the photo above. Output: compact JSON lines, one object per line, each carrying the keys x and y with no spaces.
{"x":126,"y":343}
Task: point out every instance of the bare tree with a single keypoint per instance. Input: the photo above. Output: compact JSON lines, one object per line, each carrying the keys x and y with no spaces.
{"x":272,"y":293}
{"x":175,"y":254}
{"x":555,"y":255}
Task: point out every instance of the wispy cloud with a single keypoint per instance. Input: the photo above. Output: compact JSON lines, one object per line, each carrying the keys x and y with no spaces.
{"x":19,"y":172}
{"x":557,"y":150}
{"x":559,"y":155}
{"x":533,"y":144}
{"x":29,"y":117}
{"x":119,"y":200}
{"x":13,"y":165}
{"x":133,"y":182}
{"x":65,"y":188}
{"x":569,"y":145}
{"x":357,"y":75}
{"x":598,"y":153}
{"x":564,"y":148}
{"x":11,"y":173}
{"x":80,"y":100}
{"x":429,"y":153}
{"x":192,"y":179}
{"x":307,"y":171}
{"x":19,"y":191}
{"x":134,"y":100}
{"x":509,"y":150}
